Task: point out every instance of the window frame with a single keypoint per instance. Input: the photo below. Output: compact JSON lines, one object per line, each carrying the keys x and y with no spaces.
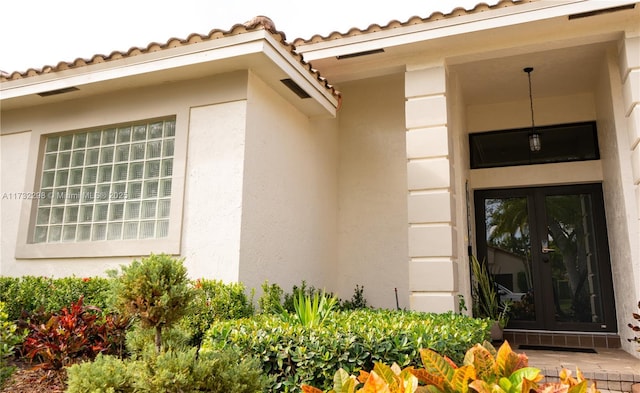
{"x":587,"y":130}
{"x":27,"y":249}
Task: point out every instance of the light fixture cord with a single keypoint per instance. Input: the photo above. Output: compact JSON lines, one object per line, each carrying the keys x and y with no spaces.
{"x":533,"y":125}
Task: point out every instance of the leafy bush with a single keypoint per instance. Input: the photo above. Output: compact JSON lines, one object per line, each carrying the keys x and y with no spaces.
{"x":180,"y":371}
{"x":142,"y":341}
{"x":170,"y":371}
{"x":357,"y":300}
{"x":104,"y":374}
{"x":303,"y":290}
{"x":156,"y":291}
{"x":75,"y":333}
{"x":223,"y":300}
{"x":29,"y":293}
{"x":382,"y":378}
{"x":484,"y":370}
{"x":9,"y":338}
{"x":215,"y":300}
{"x":274,"y":299}
{"x":271,"y":300}
{"x":292,"y":354}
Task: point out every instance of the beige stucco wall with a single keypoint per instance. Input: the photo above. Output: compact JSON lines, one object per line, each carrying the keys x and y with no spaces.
{"x":259,"y":180}
{"x":372,"y":202}
{"x":289,"y":204}
{"x":21,"y":132}
{"x":213,"y":207}
{"x":516,"y":114}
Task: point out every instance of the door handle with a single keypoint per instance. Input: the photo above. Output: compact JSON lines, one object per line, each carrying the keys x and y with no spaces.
{"x":546,"y":250}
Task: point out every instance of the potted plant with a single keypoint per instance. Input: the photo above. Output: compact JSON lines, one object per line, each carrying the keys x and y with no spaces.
{"x":486,"y":301}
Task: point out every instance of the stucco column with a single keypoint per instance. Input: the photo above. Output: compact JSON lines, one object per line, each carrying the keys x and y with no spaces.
{"x":432,"y":240}
{"x":630,"y":76}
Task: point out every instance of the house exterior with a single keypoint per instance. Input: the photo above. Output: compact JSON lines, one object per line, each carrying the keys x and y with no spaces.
{"x":381,"y":157}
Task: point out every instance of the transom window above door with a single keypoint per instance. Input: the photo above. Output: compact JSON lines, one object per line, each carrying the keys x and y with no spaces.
{"x":558,"y":143}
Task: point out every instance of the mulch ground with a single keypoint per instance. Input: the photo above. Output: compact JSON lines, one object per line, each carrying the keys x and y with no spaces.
{"x":27,"y":379}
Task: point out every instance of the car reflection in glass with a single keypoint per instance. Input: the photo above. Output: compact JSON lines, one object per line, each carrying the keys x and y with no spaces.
{"x":506,"y":294}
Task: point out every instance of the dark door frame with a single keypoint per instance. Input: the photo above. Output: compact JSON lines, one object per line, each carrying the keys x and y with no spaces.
{"x":545,"y":318}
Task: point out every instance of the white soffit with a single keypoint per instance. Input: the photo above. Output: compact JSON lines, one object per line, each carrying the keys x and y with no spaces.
{"x":301,"y":76}
{"x":214,"y":50}
{"x":429,"y":30}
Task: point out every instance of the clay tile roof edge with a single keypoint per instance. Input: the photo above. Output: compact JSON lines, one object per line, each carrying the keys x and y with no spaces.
{"x":258,"y":23}
{"x":458,"y":11}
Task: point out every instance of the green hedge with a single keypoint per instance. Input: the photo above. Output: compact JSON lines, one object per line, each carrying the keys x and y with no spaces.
{"x":169,"y":372}
{"x":292,"y":355}
{"x":30,"y":293}
{"x":214,"y":299}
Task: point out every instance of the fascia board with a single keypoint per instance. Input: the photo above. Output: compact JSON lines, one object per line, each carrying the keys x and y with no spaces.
{"x":219,"y":49}
{"x":299,"y":74}
{"x":502,"y":17}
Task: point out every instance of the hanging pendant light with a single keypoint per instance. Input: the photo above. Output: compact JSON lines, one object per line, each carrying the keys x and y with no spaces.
{"x":535,"y":142}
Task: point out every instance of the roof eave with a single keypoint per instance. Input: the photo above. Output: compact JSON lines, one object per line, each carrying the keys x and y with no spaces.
{"x":219,"y":55}
{"x":392,"y":36}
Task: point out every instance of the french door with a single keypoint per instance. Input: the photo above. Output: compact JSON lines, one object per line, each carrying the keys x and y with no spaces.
{"x":547,"y":249}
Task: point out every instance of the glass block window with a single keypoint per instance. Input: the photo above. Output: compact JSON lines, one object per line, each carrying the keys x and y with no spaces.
{"x":106,"y":184}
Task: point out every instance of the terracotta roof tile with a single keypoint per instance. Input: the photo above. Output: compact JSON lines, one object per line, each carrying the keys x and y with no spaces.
{"x":257,"y":23}
{"x":481,"y":7}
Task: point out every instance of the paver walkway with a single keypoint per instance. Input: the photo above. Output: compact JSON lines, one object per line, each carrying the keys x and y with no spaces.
{"x":613,"y":370}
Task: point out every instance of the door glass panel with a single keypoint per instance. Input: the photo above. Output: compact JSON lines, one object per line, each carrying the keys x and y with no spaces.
{"x":509,"y":253}
{"x":571,"y":251}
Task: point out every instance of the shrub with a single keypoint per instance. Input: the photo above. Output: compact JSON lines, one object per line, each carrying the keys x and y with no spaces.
{"x":274,"y":299}
{"x":484,"y":370}
{"x":24,"y":294}
{"x":224,"y":300}
{"x":180,"y":371}
{"x":297,"y":291}
{"x":104,"y":374}
{"x":292,"y":354}
{"x":357,"y":300}
{"x":112,"y":333}
{"x":156,"y":291}
{"x":28,"y":294}
{"x":75,"y":333}
{"x":215,"y":300}
{"x":382,"y":378}
{"x":64,"y":291}
{"x":271,"y":300}
{"x":9,"y":338}
{"x":170,"y":371}
{"x":142,"y":341}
